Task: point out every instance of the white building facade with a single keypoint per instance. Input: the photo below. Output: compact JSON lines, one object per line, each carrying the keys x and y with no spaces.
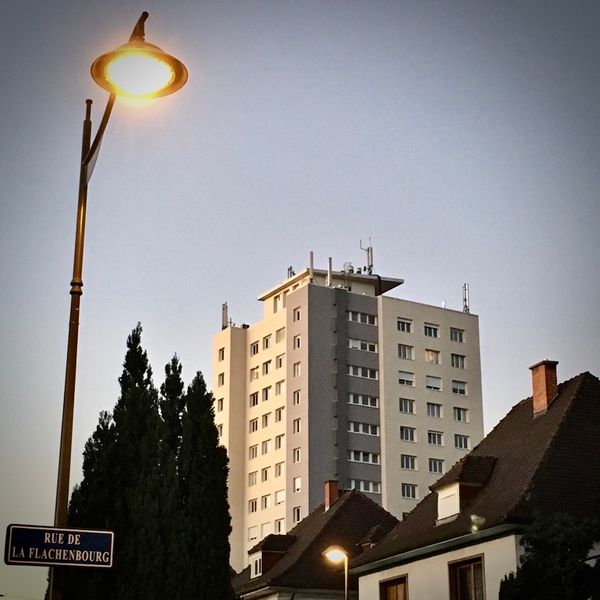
{"x":338,"y":381}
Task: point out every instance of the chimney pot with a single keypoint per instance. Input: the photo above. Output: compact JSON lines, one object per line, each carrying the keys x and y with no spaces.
{"x":332,"y":491}
{"x":545,"y":387}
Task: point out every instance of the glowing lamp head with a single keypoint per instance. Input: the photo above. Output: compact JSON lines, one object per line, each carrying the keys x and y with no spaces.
{"x":335,"y":554}
{"x":139,"y":70}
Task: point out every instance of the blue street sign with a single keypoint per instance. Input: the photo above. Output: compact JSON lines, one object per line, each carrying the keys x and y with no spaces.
{"x":51,"y":546}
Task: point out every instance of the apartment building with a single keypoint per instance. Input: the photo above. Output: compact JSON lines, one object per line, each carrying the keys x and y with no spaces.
{"x":339,"y":381}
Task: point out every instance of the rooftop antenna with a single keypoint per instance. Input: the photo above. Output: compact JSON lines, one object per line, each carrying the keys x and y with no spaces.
{"x":290,"y":271}
{"x":224,"y":316}
{"x":369,"y":251}
{"x":466,"y":302}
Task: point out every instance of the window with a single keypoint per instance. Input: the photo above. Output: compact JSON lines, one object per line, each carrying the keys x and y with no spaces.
{"x":253,"y":373}
{"x":221,"y":379}
{"x":253,"y":451}
{"x":297,"y":342}
{"x":280,"y":387}
{"x":404,"y":325}
{"x":365,"y":428}
{"x":409,"y":490}
{"x":265,"y":420}
{"x":257,"y":567}
{"x":433,"y":383}
{"x":253,"y":348}
{"x":252,"y":533}
{"x":363,"y":457}
{"x":407,"y":405}
{"x":434,"y":410}
{"x":253,"y":426}
{"x":279,"y":469}
{"x":436,"y":465}
{"x":220,"y":405}
{"x":364,"y":372}
{"x":265,"y":447}
{"x":279,"y":441}
{"x":278,"y":414}
{"x":279,"y":360}
{"x":296,"y":427}
{"x":394,"y":590}
{"x":435,"y":438}
{"x":457,"y":335}
{"x":363,"y":400}
{"x":407,"y":434}
{"x":374,"y":487}
{"x":253,"y":400}
{"x":265,"y":502}
{"x":280,"y":335}
{"x":252,"y":505}
{"x":296,"y":397}
{"x":297,"y":369}
{"x":296,"y":455}
{"x":296,"y":514}
{"x":406,"y":378}
{"x":252,"y":478}
{"x":296,"y":314}
{"x":297,"y":484}
{"x":266,"y":393}
{"x":359,"y":317}
{"x":461,"y":441}
{"x":457,"y":361}
{"x":267,"y":342}
{"x":409,"y":462}
{"x":220,"y":430}
{"x":221,"y":354}
{"x":265,"y":474}
{"x":432,"y":357}
{"x":461,"y":414}
{"x":466,"y":579}
{"x":279,"y":497}
{"x":362,"y":345}
{"x":459,"y":387}
{"x":266,"y":367}
{"x":431,"y":330}
{"x":280,"y":526}
{"x":405,"y":352}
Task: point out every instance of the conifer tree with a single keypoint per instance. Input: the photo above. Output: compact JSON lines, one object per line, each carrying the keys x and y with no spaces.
{"x":203,"y":478}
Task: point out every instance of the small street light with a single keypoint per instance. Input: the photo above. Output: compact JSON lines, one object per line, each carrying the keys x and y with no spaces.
{"x":337,"y":554}
{"x":136,"y":70}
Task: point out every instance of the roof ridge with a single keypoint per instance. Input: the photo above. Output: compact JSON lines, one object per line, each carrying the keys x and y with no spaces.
{"x":526,"y":494}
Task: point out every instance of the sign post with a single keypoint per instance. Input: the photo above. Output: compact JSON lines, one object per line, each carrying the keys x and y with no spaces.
{"x":51,"y":546}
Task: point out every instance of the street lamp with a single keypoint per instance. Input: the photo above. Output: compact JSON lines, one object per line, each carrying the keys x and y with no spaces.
{"x":337,"y":554}
{"x":136,"y":70}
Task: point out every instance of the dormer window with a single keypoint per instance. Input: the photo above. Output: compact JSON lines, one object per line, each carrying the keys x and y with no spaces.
{"x":448,"y":498}
{"x":256,"y":564}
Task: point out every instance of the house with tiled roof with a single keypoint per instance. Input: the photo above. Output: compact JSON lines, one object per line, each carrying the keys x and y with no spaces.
{"x":464,"y":537}
{"x":288,"y":566}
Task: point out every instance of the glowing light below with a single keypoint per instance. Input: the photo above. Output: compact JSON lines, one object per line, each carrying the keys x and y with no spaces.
{"x":139,"y":75}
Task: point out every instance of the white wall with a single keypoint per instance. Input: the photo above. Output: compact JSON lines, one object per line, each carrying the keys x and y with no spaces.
{"x":428,"y":578}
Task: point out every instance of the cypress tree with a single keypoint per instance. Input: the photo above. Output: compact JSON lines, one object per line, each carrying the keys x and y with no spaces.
{"x":203,"y":473}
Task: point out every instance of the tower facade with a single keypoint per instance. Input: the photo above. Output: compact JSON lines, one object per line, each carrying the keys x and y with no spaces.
{"x":338,"y":381}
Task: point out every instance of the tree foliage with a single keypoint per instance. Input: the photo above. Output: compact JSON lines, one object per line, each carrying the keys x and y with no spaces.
{"x":154,"y":473}
{"x":553,"y":566}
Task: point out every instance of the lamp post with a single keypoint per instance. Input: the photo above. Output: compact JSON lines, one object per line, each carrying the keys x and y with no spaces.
{"x":337,"y":554}
{"x":136,"y":69}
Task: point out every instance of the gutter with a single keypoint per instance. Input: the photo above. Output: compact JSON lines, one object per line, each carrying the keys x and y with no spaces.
{"x":438,"y":548}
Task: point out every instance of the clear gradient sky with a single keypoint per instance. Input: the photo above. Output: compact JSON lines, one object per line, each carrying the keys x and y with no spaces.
{"x":461,"y":136}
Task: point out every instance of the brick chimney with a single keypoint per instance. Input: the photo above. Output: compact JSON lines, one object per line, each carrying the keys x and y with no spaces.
{"x":332,"y":492}
{"x":543,"y":376}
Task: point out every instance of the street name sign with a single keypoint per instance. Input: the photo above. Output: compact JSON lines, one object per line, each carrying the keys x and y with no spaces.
{"x":51,"y":546}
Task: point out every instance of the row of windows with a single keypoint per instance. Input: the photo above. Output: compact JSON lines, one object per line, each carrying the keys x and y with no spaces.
{"x":364,"y":372}
{"x":363,"y":457}
{"x":430,"y":330}
{"x":360,"y":317}
{"x":407,"y":406}
{"x":277,"y":526}
{"x":265,"y":394}
{"x":267,"y":342}
{"x":434,"y":438}
{"x":409,"y":462}
{"x":365,"y":428}
{"x":266,"y":474}
{"x":266,"y":446}
{"x":363,"y":400}
{"x":432,"y":382}
{"x":362,"y":345}
{"x":465,"y":580}
{"x":266,"y":501}
{"x":374,"y":487}
{"x":433,"y":357}
{"x":266,"y":418}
